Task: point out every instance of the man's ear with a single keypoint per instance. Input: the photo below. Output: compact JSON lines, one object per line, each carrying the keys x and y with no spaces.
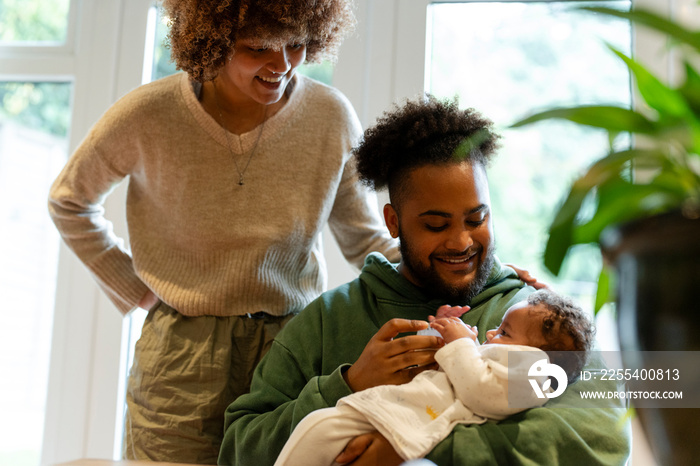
{"x":392,"y":220}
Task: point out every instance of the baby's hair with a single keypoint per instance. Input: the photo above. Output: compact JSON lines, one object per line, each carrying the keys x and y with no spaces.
{"x":203,"y":32}
{"x":567,"y":330}
{"x":424,"y":131}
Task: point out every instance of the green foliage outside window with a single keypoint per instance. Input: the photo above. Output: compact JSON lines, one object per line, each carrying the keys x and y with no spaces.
{"x":33,"y":21}
{"x":42,"y":106}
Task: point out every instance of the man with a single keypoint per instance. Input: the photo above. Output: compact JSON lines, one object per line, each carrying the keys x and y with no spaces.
{"x":432,"y":157}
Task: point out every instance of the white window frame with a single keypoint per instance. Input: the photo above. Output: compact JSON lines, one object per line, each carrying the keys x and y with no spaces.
{"x":382,"y":63}
{"x":102,"y":56}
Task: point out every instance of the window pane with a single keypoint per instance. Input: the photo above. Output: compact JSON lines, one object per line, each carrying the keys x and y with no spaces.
{"x":322,"y":72}
{"x":160,"y":62}
{"x":27,"y":21}
{"x":34,"y":120}
{"x":508,"y":60}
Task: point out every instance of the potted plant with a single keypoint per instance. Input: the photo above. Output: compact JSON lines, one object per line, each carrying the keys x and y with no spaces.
{"x":641,"y":205}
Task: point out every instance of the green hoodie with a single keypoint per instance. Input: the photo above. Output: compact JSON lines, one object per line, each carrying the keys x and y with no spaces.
{"x":302,"y":373}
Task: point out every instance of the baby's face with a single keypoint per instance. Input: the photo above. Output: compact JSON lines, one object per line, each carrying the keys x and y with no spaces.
{"x":520,"y":326}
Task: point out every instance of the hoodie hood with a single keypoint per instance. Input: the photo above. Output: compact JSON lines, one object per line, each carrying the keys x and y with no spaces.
{"x":397,"y":297}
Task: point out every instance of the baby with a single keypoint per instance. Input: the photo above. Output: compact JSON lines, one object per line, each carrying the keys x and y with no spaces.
{"x":475,"y":383}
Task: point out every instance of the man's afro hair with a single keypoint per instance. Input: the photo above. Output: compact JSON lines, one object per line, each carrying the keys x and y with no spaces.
{"x":424,"y":131}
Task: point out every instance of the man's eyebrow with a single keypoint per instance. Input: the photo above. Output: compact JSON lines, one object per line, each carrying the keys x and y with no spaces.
{"x":435,"y":213}
{"x":440,"y":213}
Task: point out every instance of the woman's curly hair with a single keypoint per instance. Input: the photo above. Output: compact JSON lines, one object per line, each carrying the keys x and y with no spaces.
{"x":424,"y":131}
{"x":567,"y":330}
{"x":203,"y":32}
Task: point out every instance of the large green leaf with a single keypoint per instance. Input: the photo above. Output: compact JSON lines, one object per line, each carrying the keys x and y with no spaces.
{"x":620,"y":201}
{"x":668,"y":102}
{"x":605,"y":292}
{"x":654,"y":21}
{"x":558,"y":244}
{"x":683,"y":182}
{"x":470,"y":143}
{"x":690,"y":89}
{"x":611,"y":118}
{"x":561,"y":230}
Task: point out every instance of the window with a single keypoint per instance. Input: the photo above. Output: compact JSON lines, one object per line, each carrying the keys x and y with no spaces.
{"x":59,"y":62}
{"x":34,"y":127}
{"x":27,"y":22}
{"x":34,"y":120}
{"x":490,"y":55}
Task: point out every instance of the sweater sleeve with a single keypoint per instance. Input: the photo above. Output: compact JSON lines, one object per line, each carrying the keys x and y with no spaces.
{"x":76,"y":207}
{"x":355,"y":220}
{"x":561,"y":432}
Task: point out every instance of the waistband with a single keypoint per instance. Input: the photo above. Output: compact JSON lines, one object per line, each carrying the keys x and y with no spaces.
{"x":261,"y":315}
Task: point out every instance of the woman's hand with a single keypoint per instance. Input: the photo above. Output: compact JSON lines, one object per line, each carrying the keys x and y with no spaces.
{"x":369,"y":449}
{"x":387,"y":360}
{"x":148,"y":301}
{"x":529,"y":280}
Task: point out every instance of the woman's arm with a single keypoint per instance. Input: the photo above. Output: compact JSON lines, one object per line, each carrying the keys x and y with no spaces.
{"x":76,"y":207}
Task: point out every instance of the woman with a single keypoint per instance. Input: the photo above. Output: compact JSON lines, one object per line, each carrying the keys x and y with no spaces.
{"x":234,"y":167}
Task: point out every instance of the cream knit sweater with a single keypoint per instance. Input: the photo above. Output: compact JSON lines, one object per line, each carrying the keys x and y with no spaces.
{"x":201,"y":242}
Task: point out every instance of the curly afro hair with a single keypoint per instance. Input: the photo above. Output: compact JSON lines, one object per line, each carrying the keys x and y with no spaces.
{"x":422,"y":132}
{"x":203,"y":32}
{"x":566,"y":329}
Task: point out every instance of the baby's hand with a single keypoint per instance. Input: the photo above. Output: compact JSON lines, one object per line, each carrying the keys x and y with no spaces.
{"x":451,"y":311}
{"x":452,"y":328}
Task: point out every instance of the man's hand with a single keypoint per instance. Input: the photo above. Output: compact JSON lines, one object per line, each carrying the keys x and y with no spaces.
{"x":389,"y":361}
{"x":369,"y":449}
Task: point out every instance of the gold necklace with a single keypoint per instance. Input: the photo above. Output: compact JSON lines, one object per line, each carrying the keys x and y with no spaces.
{"x":228,"y":140}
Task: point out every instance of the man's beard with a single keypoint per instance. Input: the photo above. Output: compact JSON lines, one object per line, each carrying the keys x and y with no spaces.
{"x":433,"y":285}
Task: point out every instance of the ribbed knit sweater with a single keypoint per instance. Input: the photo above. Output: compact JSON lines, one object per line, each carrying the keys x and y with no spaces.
{"x":201,"y":242}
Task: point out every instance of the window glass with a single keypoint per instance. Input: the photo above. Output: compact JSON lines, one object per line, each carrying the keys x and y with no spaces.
{"x":319,"y":71}
{"x":509,"y":60}
{"x":34,"y":120}
{"x":31,"y":21}
{"x":160,"y":62}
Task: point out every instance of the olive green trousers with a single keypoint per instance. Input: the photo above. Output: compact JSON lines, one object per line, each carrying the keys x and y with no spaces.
{"x":186,"y":372}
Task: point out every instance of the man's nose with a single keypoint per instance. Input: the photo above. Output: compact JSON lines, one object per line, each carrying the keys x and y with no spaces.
{"x":460,"y":240}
